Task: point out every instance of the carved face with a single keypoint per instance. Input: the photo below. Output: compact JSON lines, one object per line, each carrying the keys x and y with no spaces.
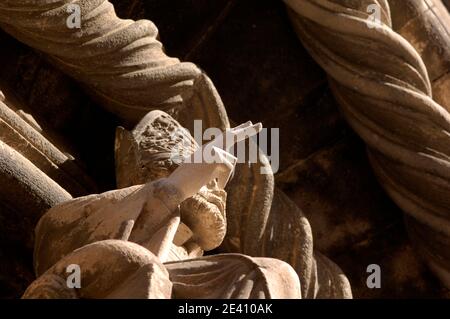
{"x":153,"y":150}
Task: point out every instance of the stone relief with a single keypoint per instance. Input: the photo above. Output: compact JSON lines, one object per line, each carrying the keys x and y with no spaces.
{"x":387,"y":97}
{"x":81,"y":230}
{"x":169,"y":226}
{"x":143,"y":77}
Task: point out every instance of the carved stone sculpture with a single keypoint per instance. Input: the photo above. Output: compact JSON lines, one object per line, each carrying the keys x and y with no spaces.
{"x":35,"y":173}
{"x":144,"y":77}
{"x":80,"y":232}
{"x":323,"y":168}
{"x":148,"y":153}
{"x":258,"y":212}
{"x":137,"y":273}
{"x":385,"y":91}
{"x":20,"y":134}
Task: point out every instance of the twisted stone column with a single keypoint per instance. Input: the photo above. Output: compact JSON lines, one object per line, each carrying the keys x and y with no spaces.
{"x":120,"y":61}
{"x":384,"y":91}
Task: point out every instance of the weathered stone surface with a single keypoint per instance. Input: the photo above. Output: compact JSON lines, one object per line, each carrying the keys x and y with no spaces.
{"x":37,"y":174}
{"x":425,"y":25}
{"x":151,"y":150}
{"x":128,"y":210}
{"x":145,"y":78}
{"x":324,"y":187}
{"x":25,"y":194}
{"x":384,"y":90}
{"x":241,"y":277}
{"x":23,"y":135}
{"x":264,"y":68}
{"x":117,"y":214}
{"x":61,"y":109}
{"x":137,"y":274}
{"x":265,"y":75}
{"x":338,"y":184}
{"x":203,"y":92}
{"x":154,"y":149}
{"x":26,"y":189}
{"x":150,"y":215}
{"x":260,"y":220}
{"x":324,"y":168}
{"x":404,"y":274}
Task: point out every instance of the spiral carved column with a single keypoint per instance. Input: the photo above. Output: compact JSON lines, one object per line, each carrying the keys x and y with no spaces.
{"x":384,"y":91}
{"x":123,"y":65}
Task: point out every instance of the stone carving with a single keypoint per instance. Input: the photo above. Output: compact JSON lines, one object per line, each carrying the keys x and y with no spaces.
{"x":244,"y":278}
{"x":259,"y":219}
{"x":140,"y":158}
{"x":120,"y":61}
{"x":84,"y":231}
{"x":383,"y":87}
{"x":255,"y":207}
{"x":26,"y":188}
{"x":28,"y":141}
{"x":137,"y":273}
{"x":35,"y":174}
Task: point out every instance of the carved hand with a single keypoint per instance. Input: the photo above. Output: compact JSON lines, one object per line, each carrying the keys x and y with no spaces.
{"x":212,"y":161}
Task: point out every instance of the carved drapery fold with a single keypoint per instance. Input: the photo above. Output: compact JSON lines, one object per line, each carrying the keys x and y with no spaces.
{"x":120,"y":61}
{"x":139,"y":274}
{"x":233,"y":276}
{"x":29,"y":142}
{"x":123,"y":65}
{"x":136,"y":274}
{"x":384,"y":91}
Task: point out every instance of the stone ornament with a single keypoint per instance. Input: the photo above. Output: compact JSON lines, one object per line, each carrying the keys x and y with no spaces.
{"x":118,"y":61}
{"x":179,"y":88}
{"x":163,"y":142}
{"x":136,"y":273}
{"x":384,"y":90}
{"x":241,"y":277}
{"x":35,"y":173}
{"x":143,"y":77}
{"x":88,"y":231}
{"x":25,"y":187}
{"x":28,"y":141}
{"x":139,"y":153}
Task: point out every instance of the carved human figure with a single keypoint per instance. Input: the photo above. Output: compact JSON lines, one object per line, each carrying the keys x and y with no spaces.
{"x":124,"y":67}
{"x":152,"y":151}
{"x":172,"y":219}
